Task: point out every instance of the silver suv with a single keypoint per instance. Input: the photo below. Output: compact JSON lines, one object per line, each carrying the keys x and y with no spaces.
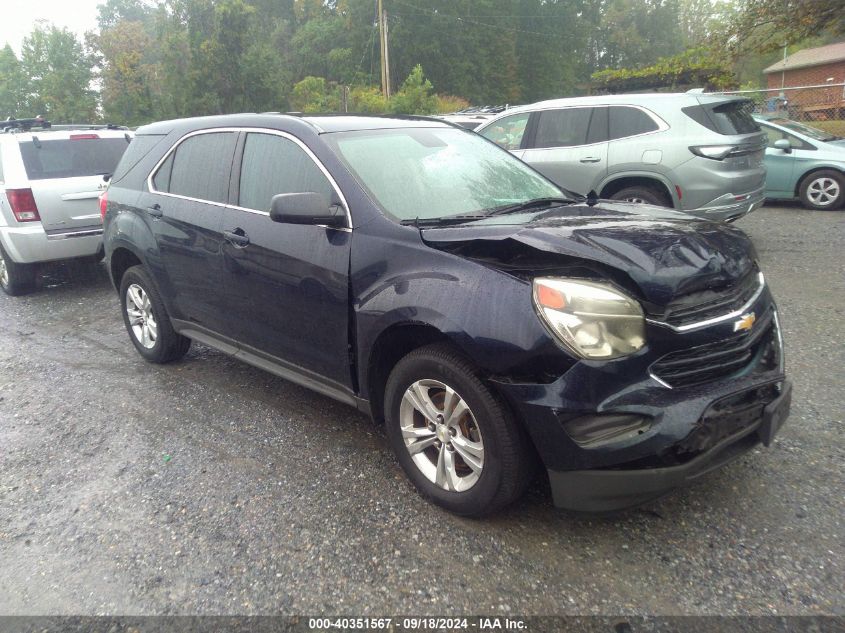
{"x":50,"y":180}
{"x":697,"y":153}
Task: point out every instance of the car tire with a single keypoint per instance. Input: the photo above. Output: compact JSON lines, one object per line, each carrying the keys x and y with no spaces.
{"x":147,"y":321}
{"x":823,"y":190}
{"x":642,"y":195}
{"x":487,"y":461}
{"x":16,"y":279}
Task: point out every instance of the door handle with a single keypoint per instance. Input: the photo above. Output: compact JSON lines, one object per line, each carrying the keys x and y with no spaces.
{"x":155,"y":211}
{"x":590,"y":159}
{"x":237,"y":237}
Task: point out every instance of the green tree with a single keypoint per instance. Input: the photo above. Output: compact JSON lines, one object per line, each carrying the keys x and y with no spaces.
{"x":127,"y":74}
{"x":367,"y":99}
{"x":58,"y":76}
{"x":416,"y":96}
{"x":759,"y":26}
{"x":314,"y":94}
{"x":11,"y":84}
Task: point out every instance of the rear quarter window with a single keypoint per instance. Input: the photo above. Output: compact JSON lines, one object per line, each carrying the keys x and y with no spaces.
{"x":71,"y":158}
{"x":138,"y":148}
{"x":729,"y":118}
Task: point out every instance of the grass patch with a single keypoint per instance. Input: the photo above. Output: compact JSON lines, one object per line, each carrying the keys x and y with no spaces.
{"x":837,"y":128}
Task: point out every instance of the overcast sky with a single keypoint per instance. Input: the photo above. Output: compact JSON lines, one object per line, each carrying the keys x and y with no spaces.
{"x":19,"y":17}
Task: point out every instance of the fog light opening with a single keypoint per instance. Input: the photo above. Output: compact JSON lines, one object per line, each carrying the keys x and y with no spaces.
{"x":594,"y":430}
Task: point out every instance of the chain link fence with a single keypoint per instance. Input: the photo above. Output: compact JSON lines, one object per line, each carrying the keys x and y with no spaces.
{"x":821,"y":106}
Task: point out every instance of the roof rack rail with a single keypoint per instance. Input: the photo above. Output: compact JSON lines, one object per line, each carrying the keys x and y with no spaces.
{"x":24,"y":125}
{"x":88,"y":126}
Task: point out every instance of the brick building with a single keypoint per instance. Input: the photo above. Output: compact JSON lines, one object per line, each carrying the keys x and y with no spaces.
{"x":812,"y":67}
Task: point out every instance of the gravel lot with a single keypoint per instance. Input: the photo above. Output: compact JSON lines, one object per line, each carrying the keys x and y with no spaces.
{"x":210,"y":487}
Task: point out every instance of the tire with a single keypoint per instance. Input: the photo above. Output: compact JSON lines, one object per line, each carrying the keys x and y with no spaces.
{"x":150,"y":330}
{"x":16,"y":279}
{"x":823,"y":190}
{"x":502,"y":469}
{"x":643,"y":195}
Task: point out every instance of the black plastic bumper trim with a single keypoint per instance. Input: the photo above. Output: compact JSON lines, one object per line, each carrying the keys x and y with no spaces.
{"x":612,"y":490}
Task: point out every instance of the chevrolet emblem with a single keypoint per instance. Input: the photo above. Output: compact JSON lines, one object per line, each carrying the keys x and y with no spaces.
{"x":746,"y":322}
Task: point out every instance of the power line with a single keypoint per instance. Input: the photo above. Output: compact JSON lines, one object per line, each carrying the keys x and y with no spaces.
{"x":466,"y":20}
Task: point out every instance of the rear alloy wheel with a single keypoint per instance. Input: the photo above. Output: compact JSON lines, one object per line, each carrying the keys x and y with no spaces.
{"x":641,"y":195}
{"x":16,"y":279}
{"x":823,"y":190}
{"x":147,"y":321}
{"x":454,"y":438}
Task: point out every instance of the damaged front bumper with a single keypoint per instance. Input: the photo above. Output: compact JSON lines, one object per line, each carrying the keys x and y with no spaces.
{"x":617,"y":434}
{"x":617,"y":489}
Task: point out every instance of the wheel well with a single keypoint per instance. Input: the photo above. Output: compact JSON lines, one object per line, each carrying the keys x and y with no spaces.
{"x":637,"y":181}
{"x":390,"y":347}
{"x":122,"y":260}
{"x":801,"y":180}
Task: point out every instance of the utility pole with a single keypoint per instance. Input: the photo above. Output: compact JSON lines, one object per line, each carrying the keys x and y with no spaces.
{"x":382,"y":34}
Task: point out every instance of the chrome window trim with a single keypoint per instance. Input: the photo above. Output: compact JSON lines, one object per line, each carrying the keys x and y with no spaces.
{"x":708,"y":322}
{"x":256,"y":130}
{"x":662,"y":126}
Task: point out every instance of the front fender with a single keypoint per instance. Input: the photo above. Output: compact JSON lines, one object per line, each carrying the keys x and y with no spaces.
{"x":487,"y":313}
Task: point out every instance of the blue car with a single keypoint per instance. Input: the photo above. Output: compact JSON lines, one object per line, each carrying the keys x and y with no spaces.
{"x":803,"y":163}
{"x":492,"y":321}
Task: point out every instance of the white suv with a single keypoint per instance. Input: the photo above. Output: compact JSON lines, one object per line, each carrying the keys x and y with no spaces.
{"x":50,"y":180}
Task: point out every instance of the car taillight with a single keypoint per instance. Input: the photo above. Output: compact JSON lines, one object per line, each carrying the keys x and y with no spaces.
{"x":23,"y":205}
{"x":104,"y":204}
{"x":77,"y":137}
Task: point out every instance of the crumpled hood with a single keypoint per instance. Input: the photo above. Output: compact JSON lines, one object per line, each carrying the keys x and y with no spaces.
{"x":667,"y":254}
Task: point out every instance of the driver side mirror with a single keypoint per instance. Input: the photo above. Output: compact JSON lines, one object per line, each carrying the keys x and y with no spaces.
{"x":784,"y":145}
{"x":306,"y":208}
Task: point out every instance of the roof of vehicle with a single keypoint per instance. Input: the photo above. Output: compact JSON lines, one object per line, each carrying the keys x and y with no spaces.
{"x":625,"y":99}
{"x":63,"y":134}
{"x":351,"y":122}
{"x":320,"y":123}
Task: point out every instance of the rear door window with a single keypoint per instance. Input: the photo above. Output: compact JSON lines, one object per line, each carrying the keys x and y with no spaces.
{"x":627,"y":121}
{"x":87,"y":155}
{"x":199,"y":168}
{"x":272,"y":165}
{"x":562,"y":128}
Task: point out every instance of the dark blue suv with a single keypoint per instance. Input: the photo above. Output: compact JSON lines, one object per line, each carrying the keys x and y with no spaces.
{"x":493,"y":321}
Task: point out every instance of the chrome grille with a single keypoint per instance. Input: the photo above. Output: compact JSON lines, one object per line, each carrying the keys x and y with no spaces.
{"x":758,"y":348}
{"x":709,"y":304}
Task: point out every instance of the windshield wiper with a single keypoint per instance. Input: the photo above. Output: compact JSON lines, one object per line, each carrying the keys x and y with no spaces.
{"x":446,"y":219}
{"x":530,"y":204}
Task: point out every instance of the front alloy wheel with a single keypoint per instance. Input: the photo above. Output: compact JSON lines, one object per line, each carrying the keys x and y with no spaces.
{"x":454,"y":437}
{"x":441,"y":435}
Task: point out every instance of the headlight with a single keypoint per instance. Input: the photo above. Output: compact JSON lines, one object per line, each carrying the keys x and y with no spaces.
{"x":591,"y":319}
